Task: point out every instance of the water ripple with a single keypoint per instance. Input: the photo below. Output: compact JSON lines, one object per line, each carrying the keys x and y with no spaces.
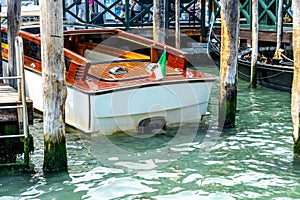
{"x":254,"y":160}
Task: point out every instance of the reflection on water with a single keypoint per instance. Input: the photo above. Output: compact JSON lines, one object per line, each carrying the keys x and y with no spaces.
{"x":253,"y":160}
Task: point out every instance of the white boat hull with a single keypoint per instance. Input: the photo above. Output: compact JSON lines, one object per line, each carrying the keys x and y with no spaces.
{"x":123,"y":109}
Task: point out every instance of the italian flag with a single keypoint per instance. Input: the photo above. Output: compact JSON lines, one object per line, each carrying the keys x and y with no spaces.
{"x":160,"y":70}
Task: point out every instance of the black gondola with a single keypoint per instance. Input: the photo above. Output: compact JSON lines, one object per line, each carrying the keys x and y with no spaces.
{"x":271,"y":73}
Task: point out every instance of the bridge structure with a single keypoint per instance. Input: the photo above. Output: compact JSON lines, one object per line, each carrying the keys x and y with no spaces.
{"x":107,"y":13}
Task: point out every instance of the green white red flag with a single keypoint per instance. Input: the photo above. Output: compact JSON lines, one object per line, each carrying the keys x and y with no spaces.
{"x":160,"y":70}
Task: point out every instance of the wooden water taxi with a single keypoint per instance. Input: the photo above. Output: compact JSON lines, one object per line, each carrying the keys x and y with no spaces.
{"x":109,"y":83}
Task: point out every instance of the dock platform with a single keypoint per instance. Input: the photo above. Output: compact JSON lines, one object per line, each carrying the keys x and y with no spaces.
{"x":12,"y":145}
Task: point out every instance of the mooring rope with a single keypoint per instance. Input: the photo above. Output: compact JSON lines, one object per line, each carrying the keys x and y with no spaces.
{"x":271,"y":76}
{"x":279,"y":54}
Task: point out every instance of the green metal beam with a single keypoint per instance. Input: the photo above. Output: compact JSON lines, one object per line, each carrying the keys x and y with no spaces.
{"x":267,"y":13}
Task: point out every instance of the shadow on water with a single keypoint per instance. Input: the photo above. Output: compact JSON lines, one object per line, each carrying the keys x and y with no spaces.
{"x":144,"y":142}
{"x":132,"y":151}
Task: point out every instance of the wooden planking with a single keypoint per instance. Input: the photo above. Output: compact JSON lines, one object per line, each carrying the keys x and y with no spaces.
{"x":136,"y":70}
{"x":9,"y":97}
{"x":267,"y":35}
{"x":263,"y":35}
{"x":8,"y":94}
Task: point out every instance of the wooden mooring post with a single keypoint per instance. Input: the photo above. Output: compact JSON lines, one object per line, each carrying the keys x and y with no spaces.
{"x":177,"y":24}
{"x":295,"y":107}
{"x":228,"y":65}
{"x":279,"y":30}
{"x":14,"y":20}
{"x":254,"y":54}
{"x":54,"y":86}
{"x":159,"y":23}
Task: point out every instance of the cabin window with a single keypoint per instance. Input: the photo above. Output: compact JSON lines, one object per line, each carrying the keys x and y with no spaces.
{"x":32,"y":50}
{"x":94,"y":38}
{"x":4,"y":37}
{"x":33,"y":30}
{"x":127,"y":44}
{"x":67,"y":63}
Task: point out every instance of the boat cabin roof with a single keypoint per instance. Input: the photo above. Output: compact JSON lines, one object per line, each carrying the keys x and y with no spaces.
{"x":28,"y":14}
{"x":26,"y":11}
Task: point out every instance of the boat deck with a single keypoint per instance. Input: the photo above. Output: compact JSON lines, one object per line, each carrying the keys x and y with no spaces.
{"x":135,"y":70}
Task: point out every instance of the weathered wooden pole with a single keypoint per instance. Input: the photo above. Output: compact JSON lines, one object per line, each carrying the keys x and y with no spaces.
{"x":253,"y":75}
{"x":228,"y":65}
{"x":279,"y":28}
{"x":13,"y":21}
{"x":1,"y":66}
{"x":54,"y":86}
{"x":159,"y":32}
{"x":295,"y":107}
{"x":203,"y":21}
{"x":177,"y":24}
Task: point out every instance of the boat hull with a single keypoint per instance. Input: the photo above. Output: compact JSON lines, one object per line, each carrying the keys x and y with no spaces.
{"x":270,"y":76}
{"x":123,"y":109}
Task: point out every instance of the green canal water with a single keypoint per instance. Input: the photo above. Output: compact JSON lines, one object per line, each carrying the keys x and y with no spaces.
{"x":253,"y":160}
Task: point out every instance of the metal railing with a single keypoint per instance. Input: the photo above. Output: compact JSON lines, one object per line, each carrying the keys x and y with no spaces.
{"x":107,"y":13}
{"x":268,"y":16}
